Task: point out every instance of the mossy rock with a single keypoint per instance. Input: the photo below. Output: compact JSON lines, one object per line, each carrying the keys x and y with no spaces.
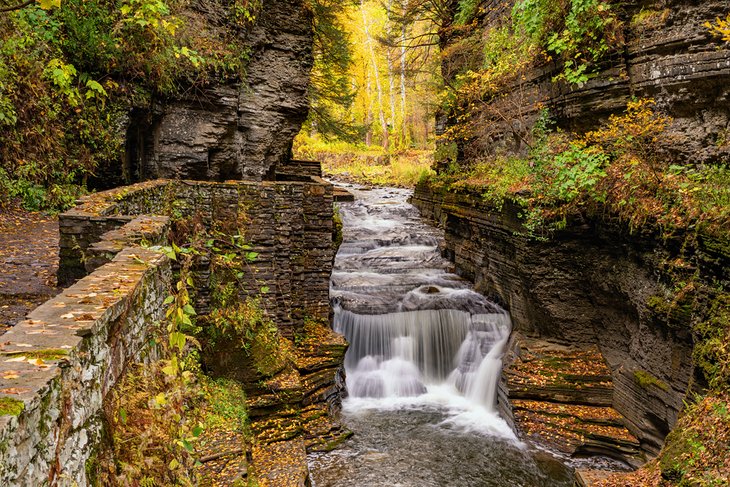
{"x":645,"y":380}
{"x":11,"y":407}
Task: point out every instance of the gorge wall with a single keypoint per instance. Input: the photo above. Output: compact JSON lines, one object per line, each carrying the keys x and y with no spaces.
{"x":232,"y":131}
{"x":593,"y":288}
{"x":668,"y":54}
{"x":587,"y":286}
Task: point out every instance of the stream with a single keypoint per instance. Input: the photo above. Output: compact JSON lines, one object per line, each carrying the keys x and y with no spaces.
{"x":423,"y":363}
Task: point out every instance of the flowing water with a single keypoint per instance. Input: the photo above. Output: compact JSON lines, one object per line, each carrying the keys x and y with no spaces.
{"x":423,"y":364}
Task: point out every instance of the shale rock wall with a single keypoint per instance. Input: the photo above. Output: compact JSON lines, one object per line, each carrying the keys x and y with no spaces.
{"x":669,"y":55}
{"x":589,"y":286}
{"x":236,"y":131}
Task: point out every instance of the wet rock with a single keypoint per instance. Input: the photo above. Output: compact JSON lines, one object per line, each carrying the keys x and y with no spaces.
{"x":591,"y":286}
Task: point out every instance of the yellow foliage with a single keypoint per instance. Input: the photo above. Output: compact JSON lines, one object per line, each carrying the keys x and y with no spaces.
{"x":720,"y":28}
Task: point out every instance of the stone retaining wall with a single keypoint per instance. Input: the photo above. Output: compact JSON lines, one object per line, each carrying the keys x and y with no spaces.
{"x":57,"y":366}
{"x":288,"y":223}
{"x":65,"y":357}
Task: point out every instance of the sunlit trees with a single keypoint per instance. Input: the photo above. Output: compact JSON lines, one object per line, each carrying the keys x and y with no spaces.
{"x":379,"y":76}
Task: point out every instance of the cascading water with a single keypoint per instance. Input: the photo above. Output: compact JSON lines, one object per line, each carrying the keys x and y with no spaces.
{"x":399,"y":354}
{"x":423,"y":364}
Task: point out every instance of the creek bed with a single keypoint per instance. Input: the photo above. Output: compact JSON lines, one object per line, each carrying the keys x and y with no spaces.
{"x":423,"y":365}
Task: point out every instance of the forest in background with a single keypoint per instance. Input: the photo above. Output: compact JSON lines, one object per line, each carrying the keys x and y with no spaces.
{"x":380,"y":128}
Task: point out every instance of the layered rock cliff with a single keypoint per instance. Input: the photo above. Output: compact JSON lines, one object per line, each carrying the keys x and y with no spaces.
{"x":588,"y":286}
{"x":633,"y":294}
{"x":238,"y":130}
{"x":667,"y":54}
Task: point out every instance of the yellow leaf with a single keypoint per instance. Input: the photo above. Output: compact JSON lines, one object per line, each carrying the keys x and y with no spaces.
{"x":49,"y":4}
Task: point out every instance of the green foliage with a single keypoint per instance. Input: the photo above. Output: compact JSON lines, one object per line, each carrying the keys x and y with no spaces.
{"x":466,"y":11}
{"x":224,"y":405}
{"x":712,"y":350}
{"x":695,"y":453}
{"x":69,"y":75}
{"x":330,"y":89}
{"x":618,"y":168}
{"x":571,"y":173}
{"x":248,"y":325}
{"x":580,"y":32}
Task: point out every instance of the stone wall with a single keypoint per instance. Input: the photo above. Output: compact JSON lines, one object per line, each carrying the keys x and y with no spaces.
{"x":63,"y":360}
{"x":59,"y":364}
{"x":288,"y":223}
{"x":584,"y":287}
{"x":236,"y":131}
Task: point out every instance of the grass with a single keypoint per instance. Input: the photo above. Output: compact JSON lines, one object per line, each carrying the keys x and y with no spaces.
{"x":224,"y":404}
{"x":366,"y":165}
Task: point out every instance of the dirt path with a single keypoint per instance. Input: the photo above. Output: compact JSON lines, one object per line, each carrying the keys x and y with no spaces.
{"x":28,"y":263}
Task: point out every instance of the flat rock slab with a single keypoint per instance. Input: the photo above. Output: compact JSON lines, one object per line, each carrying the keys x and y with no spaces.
{"x":562,"y":397}
{"x":223,"y":457}
{"x":28,"y":263}
{"x":589,"y":478}
{"x":342,"y":195}
{"x":281,"y":464}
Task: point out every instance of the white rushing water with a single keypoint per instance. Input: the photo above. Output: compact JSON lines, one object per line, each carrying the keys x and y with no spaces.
{"x":419,"y":336}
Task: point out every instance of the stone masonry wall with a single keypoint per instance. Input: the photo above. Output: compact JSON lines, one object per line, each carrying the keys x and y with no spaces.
{"x":63,"y":360}
{"x":59,"y":364}
{"x":288,"y":223}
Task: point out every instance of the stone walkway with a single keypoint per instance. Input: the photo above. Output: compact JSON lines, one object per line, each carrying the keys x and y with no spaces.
{"x":28,"y":263}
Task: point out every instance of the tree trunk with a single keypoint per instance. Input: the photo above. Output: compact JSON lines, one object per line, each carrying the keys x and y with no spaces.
{"x":378,"y":85}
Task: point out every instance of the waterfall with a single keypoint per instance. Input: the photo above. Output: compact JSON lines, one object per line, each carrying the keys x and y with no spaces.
{"x":400,"y":354}
{"x":416,"y":330}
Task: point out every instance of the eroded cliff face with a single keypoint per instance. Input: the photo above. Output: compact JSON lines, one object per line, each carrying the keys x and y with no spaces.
{"x":668,"y":55}
{"x":593,"y":285}
{"x":233,"y":131}
{"x":587,"y":286}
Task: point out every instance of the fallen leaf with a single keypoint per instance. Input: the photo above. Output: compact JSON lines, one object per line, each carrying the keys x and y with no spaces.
{"x":14,"y":390}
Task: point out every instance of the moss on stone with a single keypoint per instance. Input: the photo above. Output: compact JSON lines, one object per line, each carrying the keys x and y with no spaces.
{"x":46,"y":354}
{"x":695,"y":452}
{"x":645,"y":380}
{"x":712,"y":347}
{"x":337,"y":228}
{"x":10,"y":406}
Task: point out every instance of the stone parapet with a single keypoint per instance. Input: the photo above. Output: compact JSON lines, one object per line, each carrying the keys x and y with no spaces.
{"x":59,"y":364}
{"x":287,"y":223}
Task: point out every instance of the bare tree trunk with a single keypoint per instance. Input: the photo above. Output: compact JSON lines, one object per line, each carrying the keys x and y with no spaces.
{"x":391,"y":67}
{"x":369,"y":111}
{"x":403,"y":96}
{"x":369,"y":40}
